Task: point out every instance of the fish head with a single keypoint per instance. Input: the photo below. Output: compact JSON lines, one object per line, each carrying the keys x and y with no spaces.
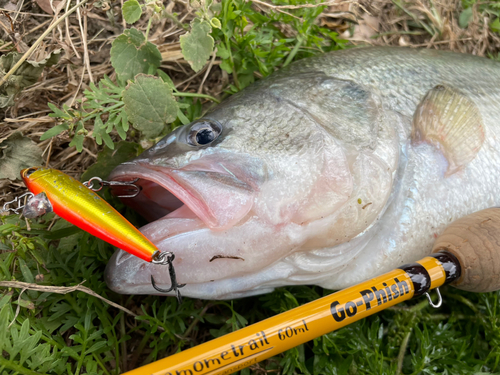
{"x":239,"y":190}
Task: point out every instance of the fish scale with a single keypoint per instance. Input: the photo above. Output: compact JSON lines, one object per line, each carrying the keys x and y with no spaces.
{"x":341,"y":189}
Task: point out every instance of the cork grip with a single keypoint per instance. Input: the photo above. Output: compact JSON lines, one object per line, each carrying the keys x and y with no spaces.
{"x":475,"y":241}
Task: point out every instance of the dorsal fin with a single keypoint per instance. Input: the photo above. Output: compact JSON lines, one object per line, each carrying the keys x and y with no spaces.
{"x":452,"y":122}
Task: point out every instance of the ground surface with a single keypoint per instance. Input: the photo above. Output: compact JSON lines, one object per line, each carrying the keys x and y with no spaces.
{"x":42,"y":331}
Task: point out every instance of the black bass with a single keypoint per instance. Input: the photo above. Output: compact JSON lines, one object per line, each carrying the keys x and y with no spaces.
{"x":329,"y":172}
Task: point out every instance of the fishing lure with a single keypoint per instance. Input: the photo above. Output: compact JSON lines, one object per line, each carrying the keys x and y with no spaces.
{"x":80,"y":205}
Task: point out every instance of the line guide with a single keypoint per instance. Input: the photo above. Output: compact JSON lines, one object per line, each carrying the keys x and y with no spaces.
{"x":464,"y":248}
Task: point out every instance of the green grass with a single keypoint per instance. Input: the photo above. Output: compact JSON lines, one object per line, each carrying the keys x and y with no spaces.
{"x":76,"y":333}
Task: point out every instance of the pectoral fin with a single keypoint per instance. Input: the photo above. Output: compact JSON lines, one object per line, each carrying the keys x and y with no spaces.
{"x":451,"y":122}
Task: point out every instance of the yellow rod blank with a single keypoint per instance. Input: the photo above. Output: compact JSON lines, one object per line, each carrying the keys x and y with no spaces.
{"x":272,"y":336}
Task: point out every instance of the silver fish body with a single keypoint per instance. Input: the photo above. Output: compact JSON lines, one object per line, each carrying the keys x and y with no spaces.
{"x":329,"y":172}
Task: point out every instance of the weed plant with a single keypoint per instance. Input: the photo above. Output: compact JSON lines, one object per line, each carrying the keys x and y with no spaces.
{"x":42,"y":332}
{"x":69,"y":331}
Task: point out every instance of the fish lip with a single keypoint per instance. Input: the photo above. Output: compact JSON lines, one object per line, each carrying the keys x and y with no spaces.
{"x":164,"y":177}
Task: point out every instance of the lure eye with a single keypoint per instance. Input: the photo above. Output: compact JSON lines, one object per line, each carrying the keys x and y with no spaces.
{"x":204,"y":132}
{"x":30,"y":171}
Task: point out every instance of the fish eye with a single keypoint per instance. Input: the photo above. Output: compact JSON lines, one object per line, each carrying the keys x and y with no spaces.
{"x":204,"y":132}
{"x":29,"y":171}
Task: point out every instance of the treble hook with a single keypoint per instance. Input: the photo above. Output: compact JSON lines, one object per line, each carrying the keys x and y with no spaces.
{"x":101,"y":183}
{"x":167,"y":258}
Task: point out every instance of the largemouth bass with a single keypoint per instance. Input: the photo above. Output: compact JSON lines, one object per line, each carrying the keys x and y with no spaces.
{"x":329,"y":172}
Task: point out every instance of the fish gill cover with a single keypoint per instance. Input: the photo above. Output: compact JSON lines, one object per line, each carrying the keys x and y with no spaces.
{"x":80,"y":114}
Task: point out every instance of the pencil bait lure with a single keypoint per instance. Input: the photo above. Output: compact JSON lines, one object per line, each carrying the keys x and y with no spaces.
{"x":53,"y":190}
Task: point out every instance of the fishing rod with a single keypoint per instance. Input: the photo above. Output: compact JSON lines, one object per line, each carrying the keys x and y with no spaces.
{"x":466,"y":255}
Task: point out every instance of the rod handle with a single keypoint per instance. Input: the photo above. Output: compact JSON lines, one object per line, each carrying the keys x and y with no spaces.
{"x":475,"y":241}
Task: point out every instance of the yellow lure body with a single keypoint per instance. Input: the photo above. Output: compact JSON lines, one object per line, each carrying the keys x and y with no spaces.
{"x":82,"y":207}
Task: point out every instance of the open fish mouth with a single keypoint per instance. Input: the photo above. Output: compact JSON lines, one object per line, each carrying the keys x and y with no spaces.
{"x":211,"y":194}
{"x":160,"y":196}
{"x":191,"y":211}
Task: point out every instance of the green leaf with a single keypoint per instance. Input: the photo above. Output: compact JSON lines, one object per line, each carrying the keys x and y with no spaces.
{"x":26,"y":75}
{"x":57,"y":112}
{"x":16,"y":153}
{"x":131,"y":54}
{"x":226,"y":65}
{"x":222,"y":51}
{"x":58,"y":129}
{"x":164,"y":76}
{"x":131,"y":11}
{"x":241,"y":319}
{"x":108,"y":141}
{"x":182,"y":117}
{"x":495,"y":25}
{"x":96,"y":346}
{"x":119,"y":126}
{"x":465,"y":17}
{"x":197,"y":45}
{"x":99,"y":131}
{"x":216,"y":7}
{"x":57,"y":234}
{"x":108,"y":159}
{"x":78,"y":142}
{"x":28,"y":276}
{"x":149,"y":104}
{"x":125,"y":121}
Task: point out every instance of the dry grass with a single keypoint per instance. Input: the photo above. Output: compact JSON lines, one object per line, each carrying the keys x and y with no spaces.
{"x":87,"y":35}
{"x":429,"y":24}
{"x":86,"y":41}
